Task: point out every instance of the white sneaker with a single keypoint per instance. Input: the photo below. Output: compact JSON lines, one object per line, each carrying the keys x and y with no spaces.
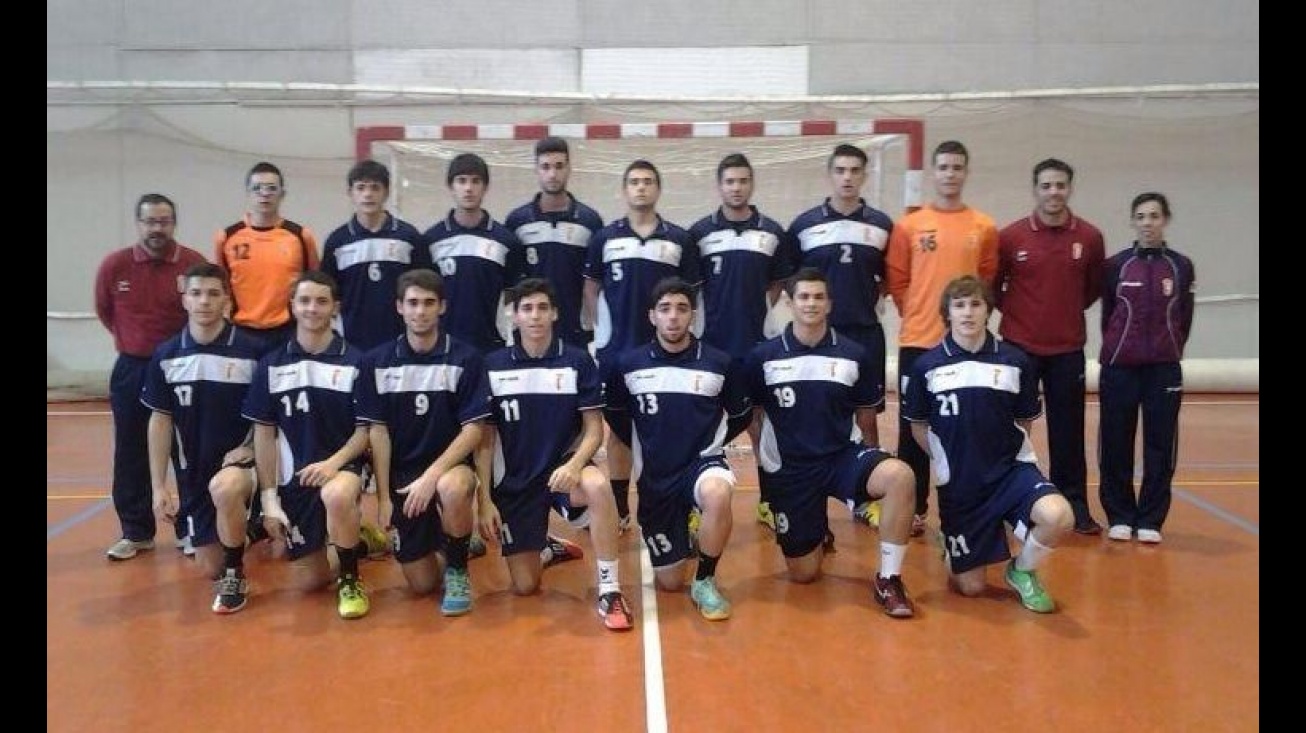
{"x":1150,"y":536}
{"x":1120,"y":532}
{"x":125,"y":549}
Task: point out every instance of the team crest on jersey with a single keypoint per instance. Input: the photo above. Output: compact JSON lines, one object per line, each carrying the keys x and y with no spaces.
{"x":929,"y":241}
{"x":1077,"y":251}
{"x":124,"y":286}
{"x":997,"y":375}
{"x":1022,"y":255}
{"x":557,"y":382}
{"x":1167,"y":287}
{"x":335,"y":377}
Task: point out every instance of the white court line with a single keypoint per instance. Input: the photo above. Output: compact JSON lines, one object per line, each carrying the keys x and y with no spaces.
{"x":655,"y":696}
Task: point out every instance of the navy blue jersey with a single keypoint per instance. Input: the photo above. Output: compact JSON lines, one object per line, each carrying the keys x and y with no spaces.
{"x":536,"y":407}
{"x":309,"y":398}
{"x":849,"y":249}
{"x":553,"y":246}
{"x":972,"y":401}
{"x":628,"y":266}
{"x":201,"y":386}
{"x":474,"y":263}
{"x":678,"y":405}
{"x":810,"y":396}
{"x":422,"y":399}
{"x":739,"y":260}
{"x":367,"y":266}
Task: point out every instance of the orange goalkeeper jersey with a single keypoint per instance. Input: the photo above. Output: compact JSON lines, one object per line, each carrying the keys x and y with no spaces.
{"x":263,"y":263}
{"x":927,"y":249}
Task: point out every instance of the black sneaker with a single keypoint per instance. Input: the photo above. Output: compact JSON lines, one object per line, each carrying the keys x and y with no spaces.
{"x":230,"y":592}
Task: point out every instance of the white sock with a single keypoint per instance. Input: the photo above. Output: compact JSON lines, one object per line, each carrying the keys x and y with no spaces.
{"x":891,"y":556}
{"x":1032,"y":553}
{"x":608,"y":578}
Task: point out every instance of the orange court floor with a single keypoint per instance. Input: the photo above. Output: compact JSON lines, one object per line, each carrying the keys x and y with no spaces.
{"x":1145,"y":638}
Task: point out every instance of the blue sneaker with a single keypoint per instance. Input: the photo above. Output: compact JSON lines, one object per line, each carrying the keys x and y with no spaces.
{"x":457,"y":593}
{"x":711,"y":604}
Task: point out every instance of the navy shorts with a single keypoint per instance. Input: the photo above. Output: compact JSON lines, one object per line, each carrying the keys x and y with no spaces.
{"x":307,"y":515}
{"x":415,"y":537}
{"x":973,"y":531}
{"x":664,"y":515}
{"x":797,"y":494}
{"x":524,"y":515}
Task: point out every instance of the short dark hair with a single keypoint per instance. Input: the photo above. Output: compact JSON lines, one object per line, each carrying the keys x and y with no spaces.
{"x":467,"y":164}
{"x":672,"y":286}
{"x":319,"y":277}
{"x":265,"y":167}
{"x":369,"y":170}
{"x":964,"y":287}
{"x":845,"y":150}
{"x":210,"y":270}
{"x":734,"y":160}
{"x":422,"y":277}
{"x":152,"y":199}
{"x":1143,"y":198}
{"x":950,"y":146}
{"x":552,"y":144}
{"x":532,"y":286}
{"x":1053,"y":164}
{"x":642,"y":165}
{"x":805,"y":274}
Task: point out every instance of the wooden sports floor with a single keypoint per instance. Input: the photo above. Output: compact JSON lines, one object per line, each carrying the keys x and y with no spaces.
{"x":1163,"y":638}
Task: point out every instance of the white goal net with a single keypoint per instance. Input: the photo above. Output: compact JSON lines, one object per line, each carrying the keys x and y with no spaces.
{"x":787,"y":157}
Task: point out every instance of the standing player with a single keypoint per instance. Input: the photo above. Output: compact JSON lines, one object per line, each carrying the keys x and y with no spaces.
{"x":195,"y":385}
{"x":845,"y":238}
{"x":470,"y":249}
{"x":307,"y":445}
{"x":264,"y":253}
{"x":819,"y":393}
{"x":686,"y":402}
{"x":554,"y":230}
{"x":929,"y":247}
{"x":625,"y":260}
{"x":1049,"y":273}
{"x":743,"y":260}
{"x":367,"y":254}
{"x":971,"y":401}
{"x":138,"y":300}
{"x":425,"y":398}
{"x":547,"y":404}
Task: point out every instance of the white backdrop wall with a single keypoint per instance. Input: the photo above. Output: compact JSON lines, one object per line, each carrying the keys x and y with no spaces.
{"x":105,"y":149}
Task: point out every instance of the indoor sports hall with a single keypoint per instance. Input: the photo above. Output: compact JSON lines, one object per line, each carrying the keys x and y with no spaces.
{"x":183,"y":98}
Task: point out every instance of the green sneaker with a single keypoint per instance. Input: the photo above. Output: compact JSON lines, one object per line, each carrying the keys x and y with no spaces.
{"x":1032,"y":595}
{"x":457,"y":593}
{"x":765,"y":516}
{"x":353,"y":598}
{"x":709,"y":600}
